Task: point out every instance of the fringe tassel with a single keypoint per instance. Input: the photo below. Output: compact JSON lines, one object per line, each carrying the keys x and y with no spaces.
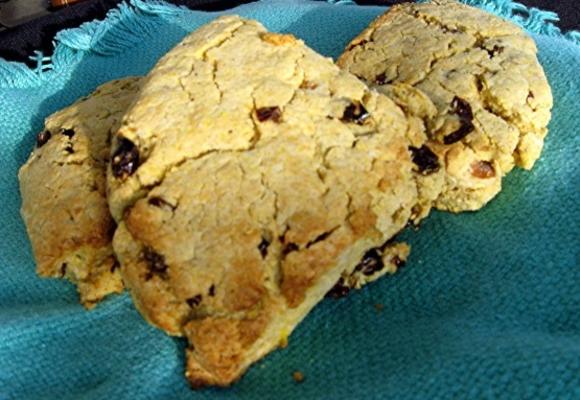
{"x":123,"y":28}
{"x":532,"y":19}
{"x":127,"y":25}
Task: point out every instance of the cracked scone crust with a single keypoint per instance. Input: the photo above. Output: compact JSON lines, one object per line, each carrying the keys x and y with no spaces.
{"x":63,"y":187}
{"x":472,"y":79}
{"x":249,"y":177}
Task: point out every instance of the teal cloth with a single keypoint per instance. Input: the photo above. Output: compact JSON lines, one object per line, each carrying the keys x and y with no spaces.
{"x":488,"y":305}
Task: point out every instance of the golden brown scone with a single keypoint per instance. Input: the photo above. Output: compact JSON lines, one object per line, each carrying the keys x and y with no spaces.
{"x":472,"y":79}
{"x":250,"y":177}
{"x":63,"y":189}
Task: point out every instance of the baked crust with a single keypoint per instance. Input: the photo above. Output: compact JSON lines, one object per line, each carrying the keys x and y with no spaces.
{"x":63,"y":189}
{"x":472,"y":80}
{"x":265,"y":174}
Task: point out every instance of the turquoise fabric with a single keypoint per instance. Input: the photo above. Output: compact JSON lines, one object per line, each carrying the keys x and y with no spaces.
{"x":488,"y":305}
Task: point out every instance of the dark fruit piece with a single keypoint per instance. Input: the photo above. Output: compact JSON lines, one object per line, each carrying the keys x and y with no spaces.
{"x":155,"y":263}
{"x":463,"y":110}
{"x":338,"y":290}
{"x":125,"y":159}
{"x":42,"y":138}
{"x":355,"y":112}
{"x":371,"y":262}
{"x":425,"y":159}
{"x":263,"y":247}
{"x":68,"y":133}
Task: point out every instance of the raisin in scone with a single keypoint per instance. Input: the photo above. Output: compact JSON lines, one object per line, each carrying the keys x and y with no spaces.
{"x":473,"y":80}
{"x":63,"y":187}
{"x":250,"y":177}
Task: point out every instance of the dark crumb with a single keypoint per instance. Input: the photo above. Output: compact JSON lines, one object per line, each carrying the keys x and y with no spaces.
{"x":361,"y":43}
{"x":479,"y":84}
{"x":495,"y":50}
{"x":115,"y":266}
{"x":530,"y":95}
{"x":449,"y":30}
{"x":155,"y":263}
{"x":289,"y":248}
{"x":415,"y":226}
{"x":68,"y":133}
{"x":379,"y":307}
{"x":69,"y":149}
{"x":338,"y":290}
{"x":298,"y":376}
{"x":211,"y":290}
{"x":381,"y":79}
{"x":159,"y":202}
{"x":371,"y":262}
{"x":266,"y":113}
{"x":63,"y":269}
{"x":194,"y":301}
{"x":308,"y":85}
{"x":263,"y":247}
{"x":397,"y":262}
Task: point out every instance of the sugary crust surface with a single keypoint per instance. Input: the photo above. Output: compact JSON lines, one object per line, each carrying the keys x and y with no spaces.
{"x":264,"y":175}
{"x":63,"y":187}
{"x":486,"y":101}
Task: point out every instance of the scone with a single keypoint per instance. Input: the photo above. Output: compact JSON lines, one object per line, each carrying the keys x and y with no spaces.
{"x":251,"y":177}
{"x":472,"y":79}
{"x":63,"y":187}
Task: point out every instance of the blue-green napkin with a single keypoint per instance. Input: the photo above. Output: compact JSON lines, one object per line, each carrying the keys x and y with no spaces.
{"x":487,"y":307}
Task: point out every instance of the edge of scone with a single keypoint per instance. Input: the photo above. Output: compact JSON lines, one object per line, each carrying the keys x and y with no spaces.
{"x":63,"y":189}
{"x":471,"y":79}
{"x":251,"y":177}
